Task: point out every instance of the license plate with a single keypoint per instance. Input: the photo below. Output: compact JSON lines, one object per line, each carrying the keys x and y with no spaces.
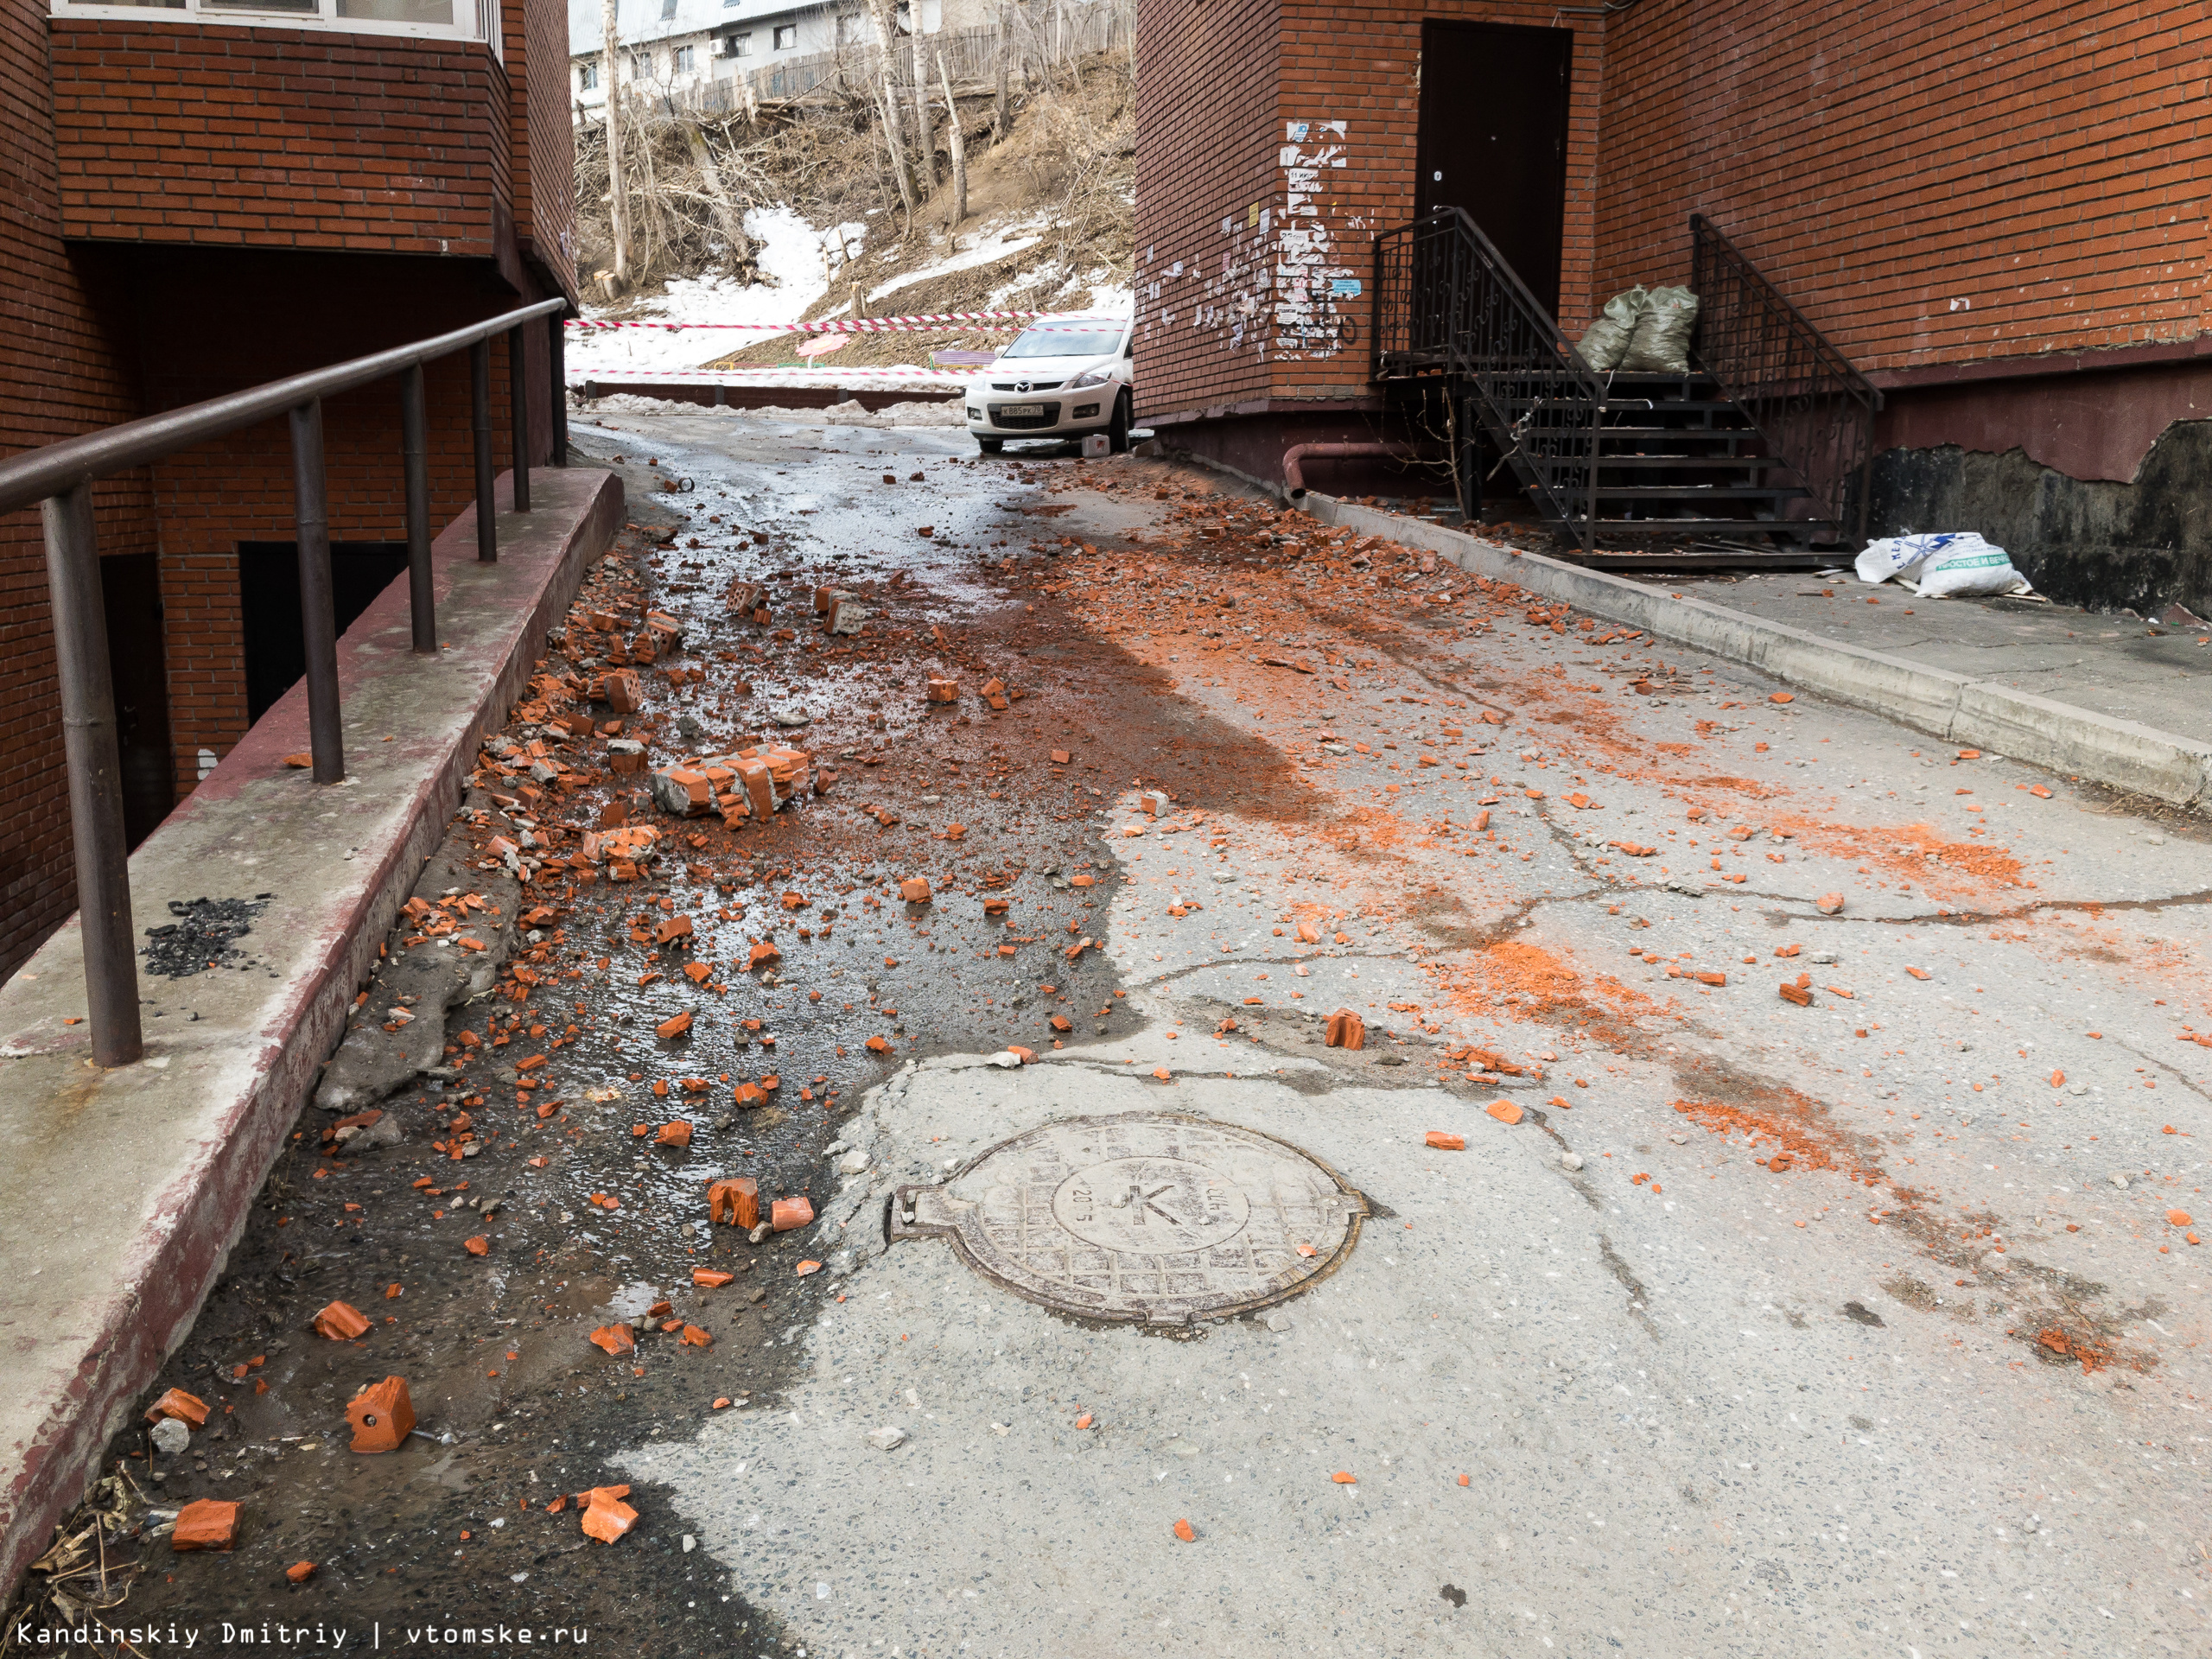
{"x":1020,"y":410}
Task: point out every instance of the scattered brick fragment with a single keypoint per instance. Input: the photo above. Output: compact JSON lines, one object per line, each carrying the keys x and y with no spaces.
{"x":1445,"y":1140}
{"x":208,"y":1524}
{"x":1346,"y":1030}
{"x":1504,"y":1111}
{"x":185,"y":1407}
{"x":383,"y":1416}
{"x":341,"y":1322}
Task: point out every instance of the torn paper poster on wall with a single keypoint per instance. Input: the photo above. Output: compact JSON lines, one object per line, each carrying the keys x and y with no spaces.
{"x":1278,"y":286}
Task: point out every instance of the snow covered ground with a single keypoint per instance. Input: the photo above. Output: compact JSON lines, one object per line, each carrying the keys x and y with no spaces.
{"x":849,"y":413}
{"x":792,"y":253}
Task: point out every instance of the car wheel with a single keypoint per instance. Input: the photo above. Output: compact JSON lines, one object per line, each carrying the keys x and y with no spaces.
{"x":990,"y":446}
{"x":1118,"y":433}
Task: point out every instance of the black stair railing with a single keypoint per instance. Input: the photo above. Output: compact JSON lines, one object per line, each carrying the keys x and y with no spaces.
{"x":1448,"y":306}
{"x":1815,"y":411}
{"x":60,"y":477}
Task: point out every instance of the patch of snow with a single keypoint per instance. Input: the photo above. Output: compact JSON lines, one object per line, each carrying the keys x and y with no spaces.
{"x":934,"y":412}
{"x":792,"y":264}
{"x":985,"y":247}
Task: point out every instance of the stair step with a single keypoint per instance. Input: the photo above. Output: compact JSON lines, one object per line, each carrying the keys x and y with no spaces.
{"x":1709,"y":463}
{"x":1807,"y":527}
{"x":1694,"y":493}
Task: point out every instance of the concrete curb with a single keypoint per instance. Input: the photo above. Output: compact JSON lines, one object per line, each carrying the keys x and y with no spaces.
{"x":1980,"y":714}
{"x":125,"y":1191}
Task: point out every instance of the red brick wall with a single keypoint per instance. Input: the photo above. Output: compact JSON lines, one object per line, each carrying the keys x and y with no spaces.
{"x":209,"y":134}
{"x":1222,"y":86}
{"x":1928,"y":184}
{"x":1207,"y":132}
{"x":60,"y":374}
{"x":545,"y":153}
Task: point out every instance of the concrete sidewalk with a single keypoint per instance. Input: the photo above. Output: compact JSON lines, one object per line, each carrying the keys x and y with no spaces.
{"x":2122,"y":667}
{"x":124,"y":1191}
{"x":2104,"y":699}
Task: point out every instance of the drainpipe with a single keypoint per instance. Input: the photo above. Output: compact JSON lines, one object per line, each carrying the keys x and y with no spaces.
{"x":1292,"y":457}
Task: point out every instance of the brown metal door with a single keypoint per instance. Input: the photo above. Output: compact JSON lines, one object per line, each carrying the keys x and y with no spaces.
{"x":1493,"y":139}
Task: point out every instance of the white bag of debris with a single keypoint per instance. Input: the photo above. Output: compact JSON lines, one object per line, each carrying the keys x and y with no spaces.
{"x":1662,"y":342}
{"x":1944,"y":564}
{"x":1607,"y":341}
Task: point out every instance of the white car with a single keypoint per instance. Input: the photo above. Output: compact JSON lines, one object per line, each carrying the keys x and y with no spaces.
{"x":1062,"y":377}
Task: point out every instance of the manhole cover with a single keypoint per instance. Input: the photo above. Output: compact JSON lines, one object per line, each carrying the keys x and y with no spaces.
{"x":1144,"y":1216}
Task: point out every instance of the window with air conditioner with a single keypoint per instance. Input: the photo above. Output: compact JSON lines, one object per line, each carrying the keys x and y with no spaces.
{"x":737,"y":46}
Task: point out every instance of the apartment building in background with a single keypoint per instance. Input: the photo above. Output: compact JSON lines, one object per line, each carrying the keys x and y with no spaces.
{"x":693,"y":52}
{"x":1993,"y":213}
{"x":207,"y":196}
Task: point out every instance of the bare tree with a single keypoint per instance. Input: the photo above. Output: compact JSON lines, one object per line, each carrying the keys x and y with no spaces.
{"x":619,"y":213}
{"x":999,"y":110}
{"x":886,"y":36}
{"x":959,"y":148}
{"x":925,"y":141}
{"x":743,"y":255}
{"x":888,"y":108}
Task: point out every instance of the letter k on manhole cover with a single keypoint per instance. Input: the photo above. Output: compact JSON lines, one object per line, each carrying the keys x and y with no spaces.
{"x":1147,"y":1217}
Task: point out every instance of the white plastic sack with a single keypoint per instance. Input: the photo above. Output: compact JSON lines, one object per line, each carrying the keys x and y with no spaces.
{"x":1947,"y":564}
{"x":1607,"y":342}
{"x":1660,"y":344}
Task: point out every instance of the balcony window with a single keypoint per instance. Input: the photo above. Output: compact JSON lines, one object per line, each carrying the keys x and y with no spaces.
{"x":469,"y":20}
{"x":786,"y":37}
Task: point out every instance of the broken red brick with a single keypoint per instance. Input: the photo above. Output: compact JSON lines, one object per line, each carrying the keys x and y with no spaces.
{"x":1444,"y":1140}
{"x":605,"y":1517}
{"x":1346,"y":1030}
{"x":1798,"y":995}
{"x":915,"y":890}
{"x":1504,"y":1111}
{"x":711,"y":1277}
{"x":300,"y":1572}
{"x":668,"y":1029}
{"x":736,"y":1201}
{"x":943,"y":690}
{"x":209,"y":1523}
{"x":1830,"y":903}
{"x":479,"y":1245}
{"x":696,"y":1337}
{"x":616,"y":1339}
{"x":383,"y":1416}
{"x":185,"y":1407}
{"x":341,"y":1322}
{"x":674,"y":1135}
{"x":785,"y":1214}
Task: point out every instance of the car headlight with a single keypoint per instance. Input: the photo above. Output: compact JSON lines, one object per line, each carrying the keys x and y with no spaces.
{"x":1096,"y":378}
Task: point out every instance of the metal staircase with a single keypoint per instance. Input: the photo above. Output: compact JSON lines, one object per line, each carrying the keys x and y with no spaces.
{"x":1770,"y":433}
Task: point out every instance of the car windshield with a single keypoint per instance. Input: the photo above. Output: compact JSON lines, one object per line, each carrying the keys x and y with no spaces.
{"x":1067,"y":339}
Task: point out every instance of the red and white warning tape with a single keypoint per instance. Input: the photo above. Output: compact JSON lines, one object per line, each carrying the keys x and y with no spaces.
{"x":932,"y":320}
{"x":771,"y":377}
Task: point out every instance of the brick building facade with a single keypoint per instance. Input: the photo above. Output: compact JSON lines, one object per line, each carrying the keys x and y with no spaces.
{"x":196,"y":206}
{"x":1996,"y":212}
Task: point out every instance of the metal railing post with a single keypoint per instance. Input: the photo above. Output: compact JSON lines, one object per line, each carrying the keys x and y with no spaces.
{"x":415,"y":455}
{"x":556,"y":351}
{"x":480,"y":417}
{"x":72,"y":576}
{"x":318,"y":606}
{"x":518,"y":412}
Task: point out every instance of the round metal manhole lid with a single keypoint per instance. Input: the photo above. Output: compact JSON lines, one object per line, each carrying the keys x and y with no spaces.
{"x":1144,"y":1216}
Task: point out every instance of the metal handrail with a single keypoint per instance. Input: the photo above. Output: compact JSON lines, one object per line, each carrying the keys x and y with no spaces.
{"x":1447,"y":303}
{"x":59,"y":478}
{"x":1814,"y":410}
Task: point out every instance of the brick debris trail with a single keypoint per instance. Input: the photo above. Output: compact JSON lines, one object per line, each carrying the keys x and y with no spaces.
{"x":1779,"y":1133}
